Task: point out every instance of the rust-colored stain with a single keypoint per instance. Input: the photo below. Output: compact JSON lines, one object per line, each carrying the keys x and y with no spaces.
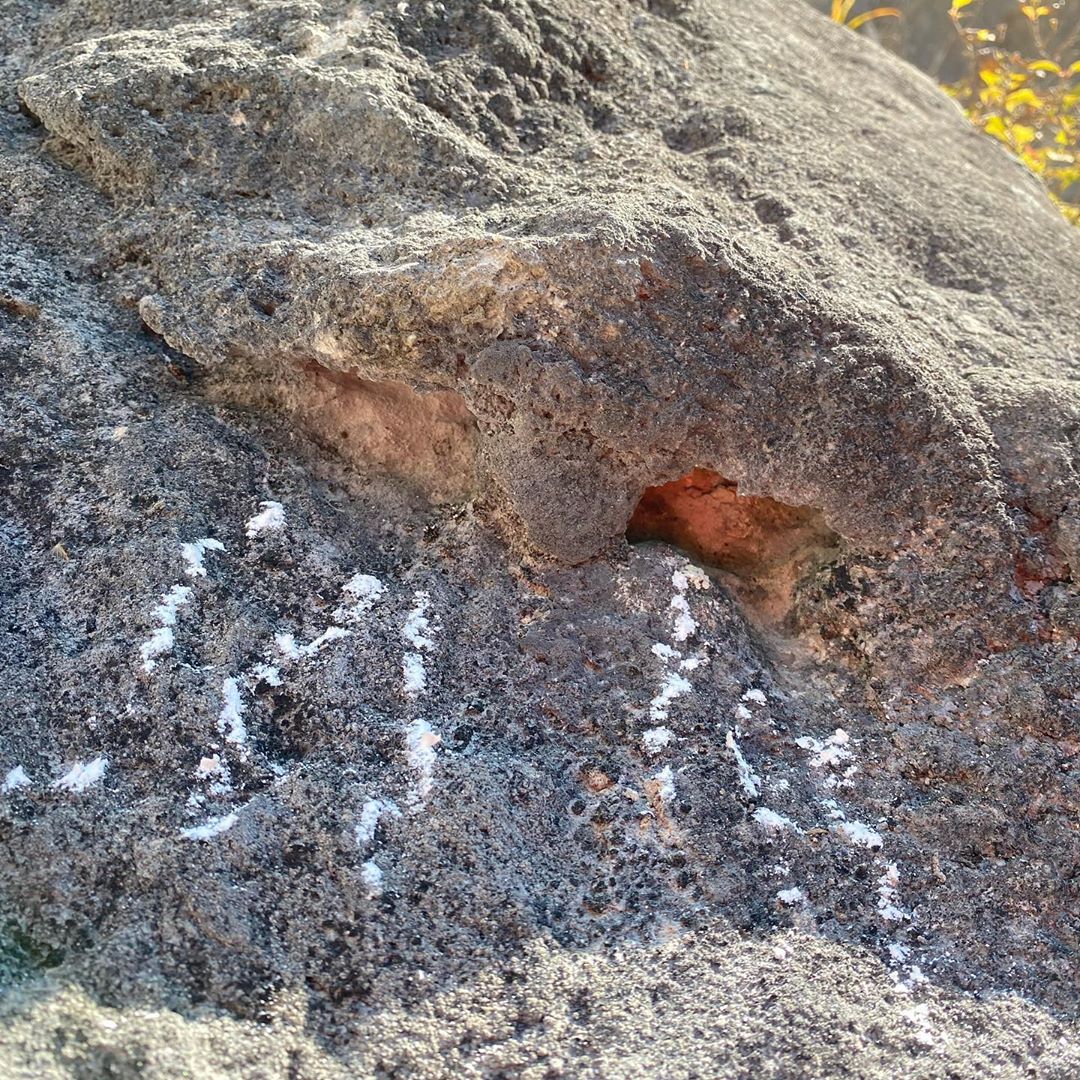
{"x":704,"y":514}
{"x":765,"y":544}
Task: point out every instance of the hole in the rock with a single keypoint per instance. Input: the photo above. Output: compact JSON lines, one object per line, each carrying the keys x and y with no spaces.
{"x":764,"y":545}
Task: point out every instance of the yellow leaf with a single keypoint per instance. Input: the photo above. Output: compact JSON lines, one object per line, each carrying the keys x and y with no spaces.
{"x":841,"y":9}
{"x":990,"y":75}
{"x":1044,"y":65}
{"x":1020,"y":99}
{"x":958,"y":4}
{"x":877,"y":13}
{"x":1022,"y":135}
{"x":995,"y":126}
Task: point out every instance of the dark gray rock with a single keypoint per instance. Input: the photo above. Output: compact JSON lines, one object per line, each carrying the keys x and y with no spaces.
{"x":450,"y":287}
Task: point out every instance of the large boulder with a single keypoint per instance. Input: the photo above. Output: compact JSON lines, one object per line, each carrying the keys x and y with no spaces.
{"x":505,"y":499}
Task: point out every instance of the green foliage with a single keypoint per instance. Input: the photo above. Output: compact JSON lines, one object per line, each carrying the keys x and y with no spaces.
{"x":1031,"y":103}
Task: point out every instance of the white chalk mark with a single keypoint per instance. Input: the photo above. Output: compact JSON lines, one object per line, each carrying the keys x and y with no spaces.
{"x":673,"y":686}
{"x":889,"y":895}
{"x":417,"y":624}
{"x":194,"y":553}
{"x":231,"y":717}
{"x":655,"y":739}
{"x":774,"y":823}
{"x":317,"y":644}
{"x":833,"y":751}
{"x":211,"y":828}
{"x":414,"y":674}
{"x":270,"y":519}
{"x":372,"y":876}
{"x":83,"y":775}
{"x":416,"y":633}
{"x":266,"y":673}
{"x":749,"y":779}
{"x":373,"y":811}
{"x":685,"y":625}
{"x":214,"y":769}
{"x":15,"y":779}
{"x":162,"y":639}
{"x":420,"y":744}
{"x":285,"y":643}
{"x":665,"y":784}
{"x":858,"y":833}
{"x":361,"y":592}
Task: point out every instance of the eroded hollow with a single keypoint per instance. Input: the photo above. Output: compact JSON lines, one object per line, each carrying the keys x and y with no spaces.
{"x":427,"y":438}
{"x":764,"y":547}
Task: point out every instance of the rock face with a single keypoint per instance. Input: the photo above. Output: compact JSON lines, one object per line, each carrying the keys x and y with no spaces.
{"x":347,"y":347}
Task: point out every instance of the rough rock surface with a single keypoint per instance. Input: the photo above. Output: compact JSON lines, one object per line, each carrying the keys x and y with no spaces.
{"x":341,"y":343}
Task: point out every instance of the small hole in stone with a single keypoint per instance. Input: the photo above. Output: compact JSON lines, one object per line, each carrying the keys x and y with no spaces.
{"x":764,"y":545}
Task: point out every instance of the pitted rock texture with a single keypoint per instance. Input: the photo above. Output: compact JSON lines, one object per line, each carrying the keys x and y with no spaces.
{"x":538,"y":208}
{"x":343,"y":344}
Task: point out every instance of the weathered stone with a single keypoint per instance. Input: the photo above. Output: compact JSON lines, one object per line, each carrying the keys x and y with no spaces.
{"x":415,"y":310}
